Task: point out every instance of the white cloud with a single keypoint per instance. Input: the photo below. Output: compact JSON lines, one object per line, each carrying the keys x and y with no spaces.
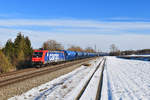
{"x":75,"y":23}
{"x":80,"y":32}
{"x":102,"y":41}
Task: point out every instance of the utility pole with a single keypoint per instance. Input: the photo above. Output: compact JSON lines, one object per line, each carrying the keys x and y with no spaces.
{"x":95,"y":47}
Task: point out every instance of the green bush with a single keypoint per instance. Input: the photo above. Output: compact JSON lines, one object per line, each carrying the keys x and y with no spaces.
{"x":5,"y":65}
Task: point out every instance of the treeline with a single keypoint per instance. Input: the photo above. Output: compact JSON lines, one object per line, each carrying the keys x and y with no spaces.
{"x":54,"y":45}
{"x":17,"y":54}
{"x":114,"y":51}
{"x":137,"y":52}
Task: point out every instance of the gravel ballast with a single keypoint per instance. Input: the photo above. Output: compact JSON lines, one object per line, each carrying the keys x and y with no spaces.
{"x":23,"y":86}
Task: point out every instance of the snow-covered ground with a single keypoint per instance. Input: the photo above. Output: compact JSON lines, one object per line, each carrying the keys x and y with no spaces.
{"x":138,"y":55}
{"x":122,"y":80}
{"x":126,"y":80}
{"x":65,"y":87}
{"x":92,"y":88}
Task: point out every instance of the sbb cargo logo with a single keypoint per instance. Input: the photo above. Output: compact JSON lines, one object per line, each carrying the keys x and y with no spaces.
{"x":53,"y":57}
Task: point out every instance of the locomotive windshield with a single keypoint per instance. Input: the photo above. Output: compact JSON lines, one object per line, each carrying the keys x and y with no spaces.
{"x":37,"y":54}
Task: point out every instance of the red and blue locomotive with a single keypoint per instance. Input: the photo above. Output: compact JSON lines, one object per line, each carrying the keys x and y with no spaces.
{"x":43,"y":57}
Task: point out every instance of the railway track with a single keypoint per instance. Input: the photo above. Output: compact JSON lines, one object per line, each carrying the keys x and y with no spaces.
{"x":15,"y":72}
{"x":82,"y":94}
{"x":21,"y":75}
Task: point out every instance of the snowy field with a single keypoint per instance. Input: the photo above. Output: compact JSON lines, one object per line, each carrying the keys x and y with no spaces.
{"x":126,"y":80}
{"x":138,"y":55}
{"x":65,"y":87}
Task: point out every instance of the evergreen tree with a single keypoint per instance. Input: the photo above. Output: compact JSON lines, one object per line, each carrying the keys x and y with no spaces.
{"x":28,"y":48}
{"x":9,"y":50}
{"x":18,"y":44}
{"x":18,"y":47}
{"x":19,"y":52}
{"x":28,"y":52}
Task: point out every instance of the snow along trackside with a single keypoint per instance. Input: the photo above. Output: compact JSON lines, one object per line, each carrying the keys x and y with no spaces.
{"x":126,"y":80}
{"x":62,"y":87}
{"x":93,"y":90}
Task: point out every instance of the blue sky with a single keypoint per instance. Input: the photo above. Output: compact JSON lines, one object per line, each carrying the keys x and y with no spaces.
{"x":125,"y":23}
{"x":78,"y":9}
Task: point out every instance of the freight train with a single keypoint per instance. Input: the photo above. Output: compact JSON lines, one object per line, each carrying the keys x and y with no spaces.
{"x":44,"y":57}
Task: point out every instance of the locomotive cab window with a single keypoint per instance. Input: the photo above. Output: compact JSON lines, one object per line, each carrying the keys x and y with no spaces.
{"x":37,"y":54}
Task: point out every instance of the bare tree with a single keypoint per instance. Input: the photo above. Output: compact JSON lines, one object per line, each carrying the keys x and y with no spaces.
{"x":114,"y":51}
{"x":52,"y":45}
{"x":89,"y":49}
{"x":75,"y":48}
{"x":113,"y":48}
